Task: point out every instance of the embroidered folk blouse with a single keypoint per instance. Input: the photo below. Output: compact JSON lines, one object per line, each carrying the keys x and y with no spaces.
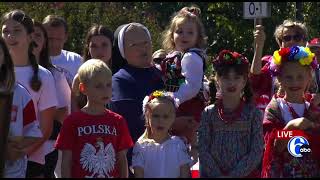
{"x":230,"y":149}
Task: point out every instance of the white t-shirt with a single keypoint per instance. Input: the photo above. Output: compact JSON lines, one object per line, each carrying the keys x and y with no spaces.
{"x":63,"y":96}
{"x":285,"y":112}
{"x":63,"y":89}
{"x":161,"y":160}
{"x":23,"y":123}
{"x":68,"y":60}
{"x":43,"y":99}
{"x":192,"y":70}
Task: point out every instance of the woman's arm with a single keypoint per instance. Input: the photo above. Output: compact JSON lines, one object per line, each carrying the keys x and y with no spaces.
{"x":259,"y":38}
{"x":123,"y":163}
{"x":66,"y":164}
{"x":46,"y":122}
{"x":61,"y":114}
{"x":46,"y":126}
{"x":75,"y":92}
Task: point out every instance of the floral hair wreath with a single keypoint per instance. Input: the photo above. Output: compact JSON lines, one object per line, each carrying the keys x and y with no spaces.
{"x":300,"y":54}
{"x":153,"y":95}
{"x":226,"y":57}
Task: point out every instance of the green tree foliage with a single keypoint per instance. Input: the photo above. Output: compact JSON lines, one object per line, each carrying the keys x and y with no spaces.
{"x":224,"y":23}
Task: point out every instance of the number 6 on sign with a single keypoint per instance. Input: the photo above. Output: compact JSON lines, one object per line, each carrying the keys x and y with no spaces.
{"x":253,"y":10}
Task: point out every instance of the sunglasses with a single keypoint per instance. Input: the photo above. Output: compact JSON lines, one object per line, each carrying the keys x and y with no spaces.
{"x":296,"y":38}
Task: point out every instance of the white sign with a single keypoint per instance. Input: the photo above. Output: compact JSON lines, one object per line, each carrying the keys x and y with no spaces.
{"x":252,"y":10}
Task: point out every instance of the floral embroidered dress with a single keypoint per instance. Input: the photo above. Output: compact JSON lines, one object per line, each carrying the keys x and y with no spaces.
{"x":183,"y":74}
{"x":282,"y":164}
{"x":230,"y":149}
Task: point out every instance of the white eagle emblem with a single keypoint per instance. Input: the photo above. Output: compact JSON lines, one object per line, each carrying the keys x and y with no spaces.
{"x":101,"y":163}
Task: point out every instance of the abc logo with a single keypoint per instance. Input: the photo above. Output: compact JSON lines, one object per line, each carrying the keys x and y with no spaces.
{"x":298,"y":145}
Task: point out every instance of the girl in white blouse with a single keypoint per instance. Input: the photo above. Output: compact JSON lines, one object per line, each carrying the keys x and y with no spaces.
{"x":157,"y":154}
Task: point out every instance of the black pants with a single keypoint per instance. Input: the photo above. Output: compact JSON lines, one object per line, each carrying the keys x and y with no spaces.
{"x":34,"y":169}
{"x":51,"y":162}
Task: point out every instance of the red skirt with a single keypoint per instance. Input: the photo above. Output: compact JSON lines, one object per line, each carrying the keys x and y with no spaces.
{"x":188,"y":117}
{"x":192,"y":107}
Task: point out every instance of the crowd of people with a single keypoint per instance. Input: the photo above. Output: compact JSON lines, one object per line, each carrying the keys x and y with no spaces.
{"x":120,"y":110}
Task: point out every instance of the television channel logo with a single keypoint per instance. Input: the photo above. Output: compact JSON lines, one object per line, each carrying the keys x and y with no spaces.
{"x":298,"y":145}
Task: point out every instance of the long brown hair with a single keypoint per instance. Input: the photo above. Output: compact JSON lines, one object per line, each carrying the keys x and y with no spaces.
{"x":222,"y":65}
{"x":7,"y":76}
{"x":44,"y":58}
{"x":96,"y":30}
{"x":26,"y":21}
{"x":7,"y":83}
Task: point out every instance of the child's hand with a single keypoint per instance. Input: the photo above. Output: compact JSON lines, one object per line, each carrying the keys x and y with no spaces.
{"x":259,"y":36}
{"x":300,"y":123}
{"x":314,"y":110}
{"x":315,"y":100}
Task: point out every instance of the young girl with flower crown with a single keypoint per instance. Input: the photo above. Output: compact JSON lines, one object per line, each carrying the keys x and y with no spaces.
{"x":185,"y":39}
{"x":230,"y":138}
{"x":157,"y":154}
{"x":293,"y":111}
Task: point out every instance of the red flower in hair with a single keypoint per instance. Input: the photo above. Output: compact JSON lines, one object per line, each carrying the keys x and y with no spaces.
{"x":228,"y":57}
{"x":284,"y":53}
{"x":236,"y":55}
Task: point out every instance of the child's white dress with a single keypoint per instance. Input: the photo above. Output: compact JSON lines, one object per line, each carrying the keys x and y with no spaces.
{"x":161,"y":160}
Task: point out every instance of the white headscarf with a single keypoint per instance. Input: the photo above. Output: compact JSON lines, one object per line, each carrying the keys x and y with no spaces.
{"x":121,"y":37}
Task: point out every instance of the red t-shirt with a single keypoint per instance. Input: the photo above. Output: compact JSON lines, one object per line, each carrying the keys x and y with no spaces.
{"x":94,"y":141}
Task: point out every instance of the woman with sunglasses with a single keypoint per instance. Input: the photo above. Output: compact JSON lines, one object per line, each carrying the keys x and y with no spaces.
{"x":288,"y":34}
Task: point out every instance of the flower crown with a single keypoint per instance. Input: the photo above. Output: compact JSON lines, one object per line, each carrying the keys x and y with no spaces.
{"x":226,"y":57}
{"x":153,"y":95}
{"x":300,"y":54}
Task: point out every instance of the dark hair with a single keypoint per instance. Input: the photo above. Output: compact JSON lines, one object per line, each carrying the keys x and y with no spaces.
{"x":55,"y":21}
{"x":223,"y":64}
{"x":44,"y":58}
{"x":7,"y":76}
{"x":26,"y":21}
{"x":96,"y":30}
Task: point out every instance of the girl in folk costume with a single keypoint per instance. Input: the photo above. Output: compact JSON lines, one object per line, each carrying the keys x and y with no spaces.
{"x":157,"y":154}
{"x":289,"y":33}
{"x":292,"y":111}
{"x":230,"y":138}
{"x":184,"y":68}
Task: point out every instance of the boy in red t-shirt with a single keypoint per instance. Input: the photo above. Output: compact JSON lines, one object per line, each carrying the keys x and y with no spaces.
{"x":94,"y":141}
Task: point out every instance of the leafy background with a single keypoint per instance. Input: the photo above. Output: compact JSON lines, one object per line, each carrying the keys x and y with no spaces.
{"x":223,"y":21}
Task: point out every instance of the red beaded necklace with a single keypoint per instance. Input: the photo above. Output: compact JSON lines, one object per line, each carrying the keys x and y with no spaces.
{"x":293,"y":112}
{"x":234,"y":115}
